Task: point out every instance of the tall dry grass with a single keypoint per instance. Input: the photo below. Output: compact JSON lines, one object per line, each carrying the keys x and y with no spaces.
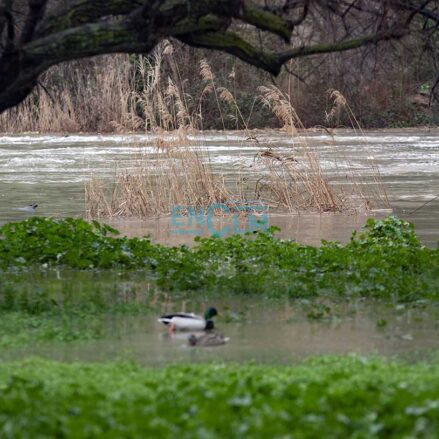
{"x":176,"y":173}
{"x":179,"y":172}
{"x":296,"y":180}
{"x":118,"y":93}
{"x":98,"y":99}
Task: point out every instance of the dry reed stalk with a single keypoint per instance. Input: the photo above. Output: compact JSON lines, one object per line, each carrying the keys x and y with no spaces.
{"x":295,"y":182}
{"x":176,"y":174}
{"x":299,"y":182}
{"x":373,"y":195}
{"x":207,"y":75}
{"x":226,"y":96}
{"x":163,"y":102}
{"x":180,"y":173}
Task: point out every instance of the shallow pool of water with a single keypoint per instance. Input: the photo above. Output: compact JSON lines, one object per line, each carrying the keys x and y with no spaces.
{"x":261,"y":330}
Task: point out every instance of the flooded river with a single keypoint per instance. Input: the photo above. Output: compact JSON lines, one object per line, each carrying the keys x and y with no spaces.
{"x":51,"y":171}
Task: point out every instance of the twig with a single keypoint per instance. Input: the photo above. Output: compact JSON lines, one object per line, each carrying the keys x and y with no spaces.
{"x":422,"y":205}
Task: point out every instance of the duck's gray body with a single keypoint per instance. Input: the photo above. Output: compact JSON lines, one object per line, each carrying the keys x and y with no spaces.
{"x":208,"y":339}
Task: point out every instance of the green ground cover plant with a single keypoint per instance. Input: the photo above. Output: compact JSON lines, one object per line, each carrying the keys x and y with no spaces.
{"x":321,"y":397}
{"x":385,"y":260}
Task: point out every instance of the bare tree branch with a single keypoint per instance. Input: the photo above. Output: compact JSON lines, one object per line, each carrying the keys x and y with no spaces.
{"x":84,"y":28}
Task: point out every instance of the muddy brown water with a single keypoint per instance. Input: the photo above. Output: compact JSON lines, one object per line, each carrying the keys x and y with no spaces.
{"x":51,"y":171}
{"x":260,"y":330}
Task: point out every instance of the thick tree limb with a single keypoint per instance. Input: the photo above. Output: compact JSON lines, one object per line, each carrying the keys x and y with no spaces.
{"x":85,"y":41}
{"x":355,"y":43}
{"x":36,"y":12}
{"x":7,"y":21}
{"x":231,"y":43}
{"x":273,"y":62}
{"x":84,"y":28}
{"x":265,"y":21}
{"x":84,"y":12}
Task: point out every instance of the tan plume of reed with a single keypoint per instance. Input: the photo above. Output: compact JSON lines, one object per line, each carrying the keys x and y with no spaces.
{"x":280,"y":103}
{"x":208,"y":76}
{"x":225,"y":95}
{"x":340,"y":104}
{"x":174,"y":100}
{"x":176,"y":173}
{"x":375,"y":194}
{"x":296,"y":180}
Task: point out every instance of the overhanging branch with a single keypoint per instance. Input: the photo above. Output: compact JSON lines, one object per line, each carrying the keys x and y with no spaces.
{"x":265,"y":21}
{"x":83,"y":28}
{"x":231,"y":43}
{"x":84,"y":12}
{"x":341,"y":46}
{"x":36,"y":12}
{"x":84,"y":41}
{"x":273,"y":62}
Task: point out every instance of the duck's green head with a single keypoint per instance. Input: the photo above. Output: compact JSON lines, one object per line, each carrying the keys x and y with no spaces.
{"x":211,"y":312}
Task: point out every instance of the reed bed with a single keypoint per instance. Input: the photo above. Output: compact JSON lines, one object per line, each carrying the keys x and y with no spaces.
{"x":99,"y":101}
{"x":295,"y":180}
{"x":117,"y":93}
{"x":288,"y":179}
{"x":177,"y":173}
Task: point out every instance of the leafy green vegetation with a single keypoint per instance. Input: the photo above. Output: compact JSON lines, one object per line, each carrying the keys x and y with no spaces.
{"x":62,"y":279}
{"x":44,"y":297}
{"x":322,"y":397}
{"x":385,"y":260}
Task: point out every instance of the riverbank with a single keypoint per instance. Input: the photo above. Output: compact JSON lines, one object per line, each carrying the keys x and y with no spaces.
{"x":166,"y":91}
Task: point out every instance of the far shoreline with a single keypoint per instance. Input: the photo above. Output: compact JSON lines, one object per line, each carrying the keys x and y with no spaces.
{"x":306,"y":131}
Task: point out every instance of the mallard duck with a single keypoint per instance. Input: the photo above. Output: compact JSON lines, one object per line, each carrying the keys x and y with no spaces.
{"x":208,"y":339}
{"x":182,"y":321}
